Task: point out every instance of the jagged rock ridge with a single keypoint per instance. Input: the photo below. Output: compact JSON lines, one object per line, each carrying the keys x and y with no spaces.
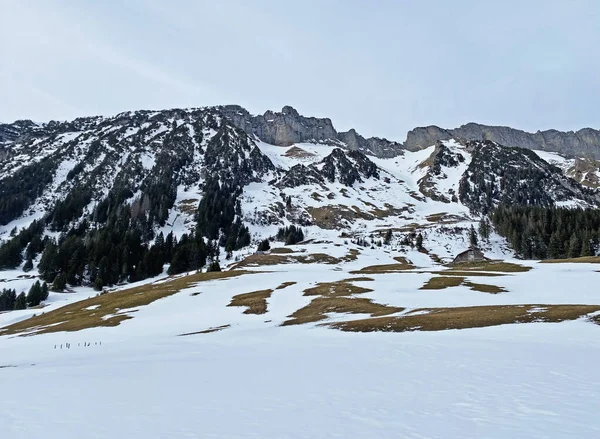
{"x":584,"y":142}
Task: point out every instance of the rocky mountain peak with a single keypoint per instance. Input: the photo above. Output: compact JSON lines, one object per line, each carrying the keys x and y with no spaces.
{"x":584,"y":142}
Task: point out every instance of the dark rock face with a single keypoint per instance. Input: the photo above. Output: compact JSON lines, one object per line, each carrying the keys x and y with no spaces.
{"x":338,"y":166}
{"x":441,"y":156}
{"x":288,"y":127}
{"x":585,"y":142}
{"x":299,"y":175}
{"x":346,"y":167}
{"x":505,"y":175}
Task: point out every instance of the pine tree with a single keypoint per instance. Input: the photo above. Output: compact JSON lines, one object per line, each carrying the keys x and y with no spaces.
{"x":21,"y":301}
{"x":574,"y":246}
{"x":555,"y":246}
{"x":419,"y":243}
{"x":586,"y":248}
{"x":264,"y":246}
{"x":214,"y":266}
{"x":60,"y":282}
{"x":34,"y":296}
{"x":45,"y":293}
{"x":28,"y":265}
{"x":98,"y":283}
{"x":473,"y":237}
{"x":388,"y":237}
{"x":484,"y":228}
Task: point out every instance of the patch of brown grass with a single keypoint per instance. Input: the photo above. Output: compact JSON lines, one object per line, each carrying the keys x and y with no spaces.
{"x":441,"y":282}
{"x":206,"y":331}
{"x":499,"y":266}
{"x":299,"y":153}
{"x":318,"y":309}
{"x":439,"y":319}
{"x":188,"y":206}
{"x":333,"y":217}
{"x":335,"y":289}
{"x":110,"y":309}
{"x":315,"y":196}
{"x":258,"y":260}
{"x":580,"y":260}
{"x":466,"y":273}
{"x":436,"y":217}
{"x":352,"y":255}
{"x":285,"y":285}
{"x":402,"y":265}
{"x":358,"y":279}
{"x":281,"y":251}
{"x":484,"y":288}
{"x":255,"y":302}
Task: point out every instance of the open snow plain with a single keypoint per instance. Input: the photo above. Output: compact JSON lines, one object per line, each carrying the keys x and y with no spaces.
{"x":199,"y":362}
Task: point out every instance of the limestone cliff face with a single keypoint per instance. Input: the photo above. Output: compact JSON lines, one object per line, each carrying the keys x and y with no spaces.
{"x":288,"y":127}
{"x":584,"y":143}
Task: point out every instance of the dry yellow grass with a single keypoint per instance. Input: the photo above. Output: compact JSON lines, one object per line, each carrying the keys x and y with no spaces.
{"x":281,"y":251}
{"x":298,"y":153}
{"x":333,"y":217}
{"x":335,"y":289}
{"x":441,"y":282}
{"x":258,"y":260}
{"x":318,"y":309}
{"x":352,"y":255}
{"x":484,"y":288}
{"x":581,"y":260}
{"x":467,"y":273}
{"x":402,"y":265}
{"x":110,"y":309}
{"x":436,"y":217}
{"x":439,"y":319}
{"x":285,"y":285}
{"x":358,"y":279}
{"x":255,"y":302}
{"x":499,"y":266}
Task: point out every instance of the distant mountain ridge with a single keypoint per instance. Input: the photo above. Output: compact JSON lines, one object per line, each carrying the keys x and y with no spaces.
{"x":584,"y":142}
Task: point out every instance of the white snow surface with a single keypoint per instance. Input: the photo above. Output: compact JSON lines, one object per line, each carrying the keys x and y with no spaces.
{"x":256,"y":378}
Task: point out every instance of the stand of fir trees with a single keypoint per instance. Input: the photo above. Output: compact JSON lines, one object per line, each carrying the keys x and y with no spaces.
{"x":290,"y":235}
{"x":117,"y":243}
{"x":549,"y":232}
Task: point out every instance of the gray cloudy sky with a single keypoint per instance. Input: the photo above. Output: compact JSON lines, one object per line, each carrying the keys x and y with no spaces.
{"x":382,"y":67}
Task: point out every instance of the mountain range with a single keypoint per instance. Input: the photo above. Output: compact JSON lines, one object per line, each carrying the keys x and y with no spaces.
{"x":227,"y":179}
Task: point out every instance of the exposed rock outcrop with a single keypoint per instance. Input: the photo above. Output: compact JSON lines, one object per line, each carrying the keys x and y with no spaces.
{"x":585,"y":142}
{"x":288,"y":127}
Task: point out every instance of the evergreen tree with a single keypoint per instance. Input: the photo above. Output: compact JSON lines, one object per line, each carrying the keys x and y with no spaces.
{"x":574,"y":246}
{"x":21,"y":301}
{"x":484,"y":228}
{"x":555,"y":246}
{"x":7,"y":299}
{"x":213,"y":266}
{"x":264,"y":246}
{"x":98,"y":283}
{"x":60,"y":282}
{"x":388,"y":237}
{"x":419,"y":243}
{"x":34,"y":296}
{"x":28,"y":265}
{"x":473,"y":237}
{"x":586,"y":247}
{"x":45,"y":292}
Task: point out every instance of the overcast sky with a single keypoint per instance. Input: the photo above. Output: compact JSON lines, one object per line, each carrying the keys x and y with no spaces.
{"x":382,"y":67}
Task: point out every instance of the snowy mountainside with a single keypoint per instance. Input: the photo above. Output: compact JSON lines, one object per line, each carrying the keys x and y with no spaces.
{"x":149,"y":173}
